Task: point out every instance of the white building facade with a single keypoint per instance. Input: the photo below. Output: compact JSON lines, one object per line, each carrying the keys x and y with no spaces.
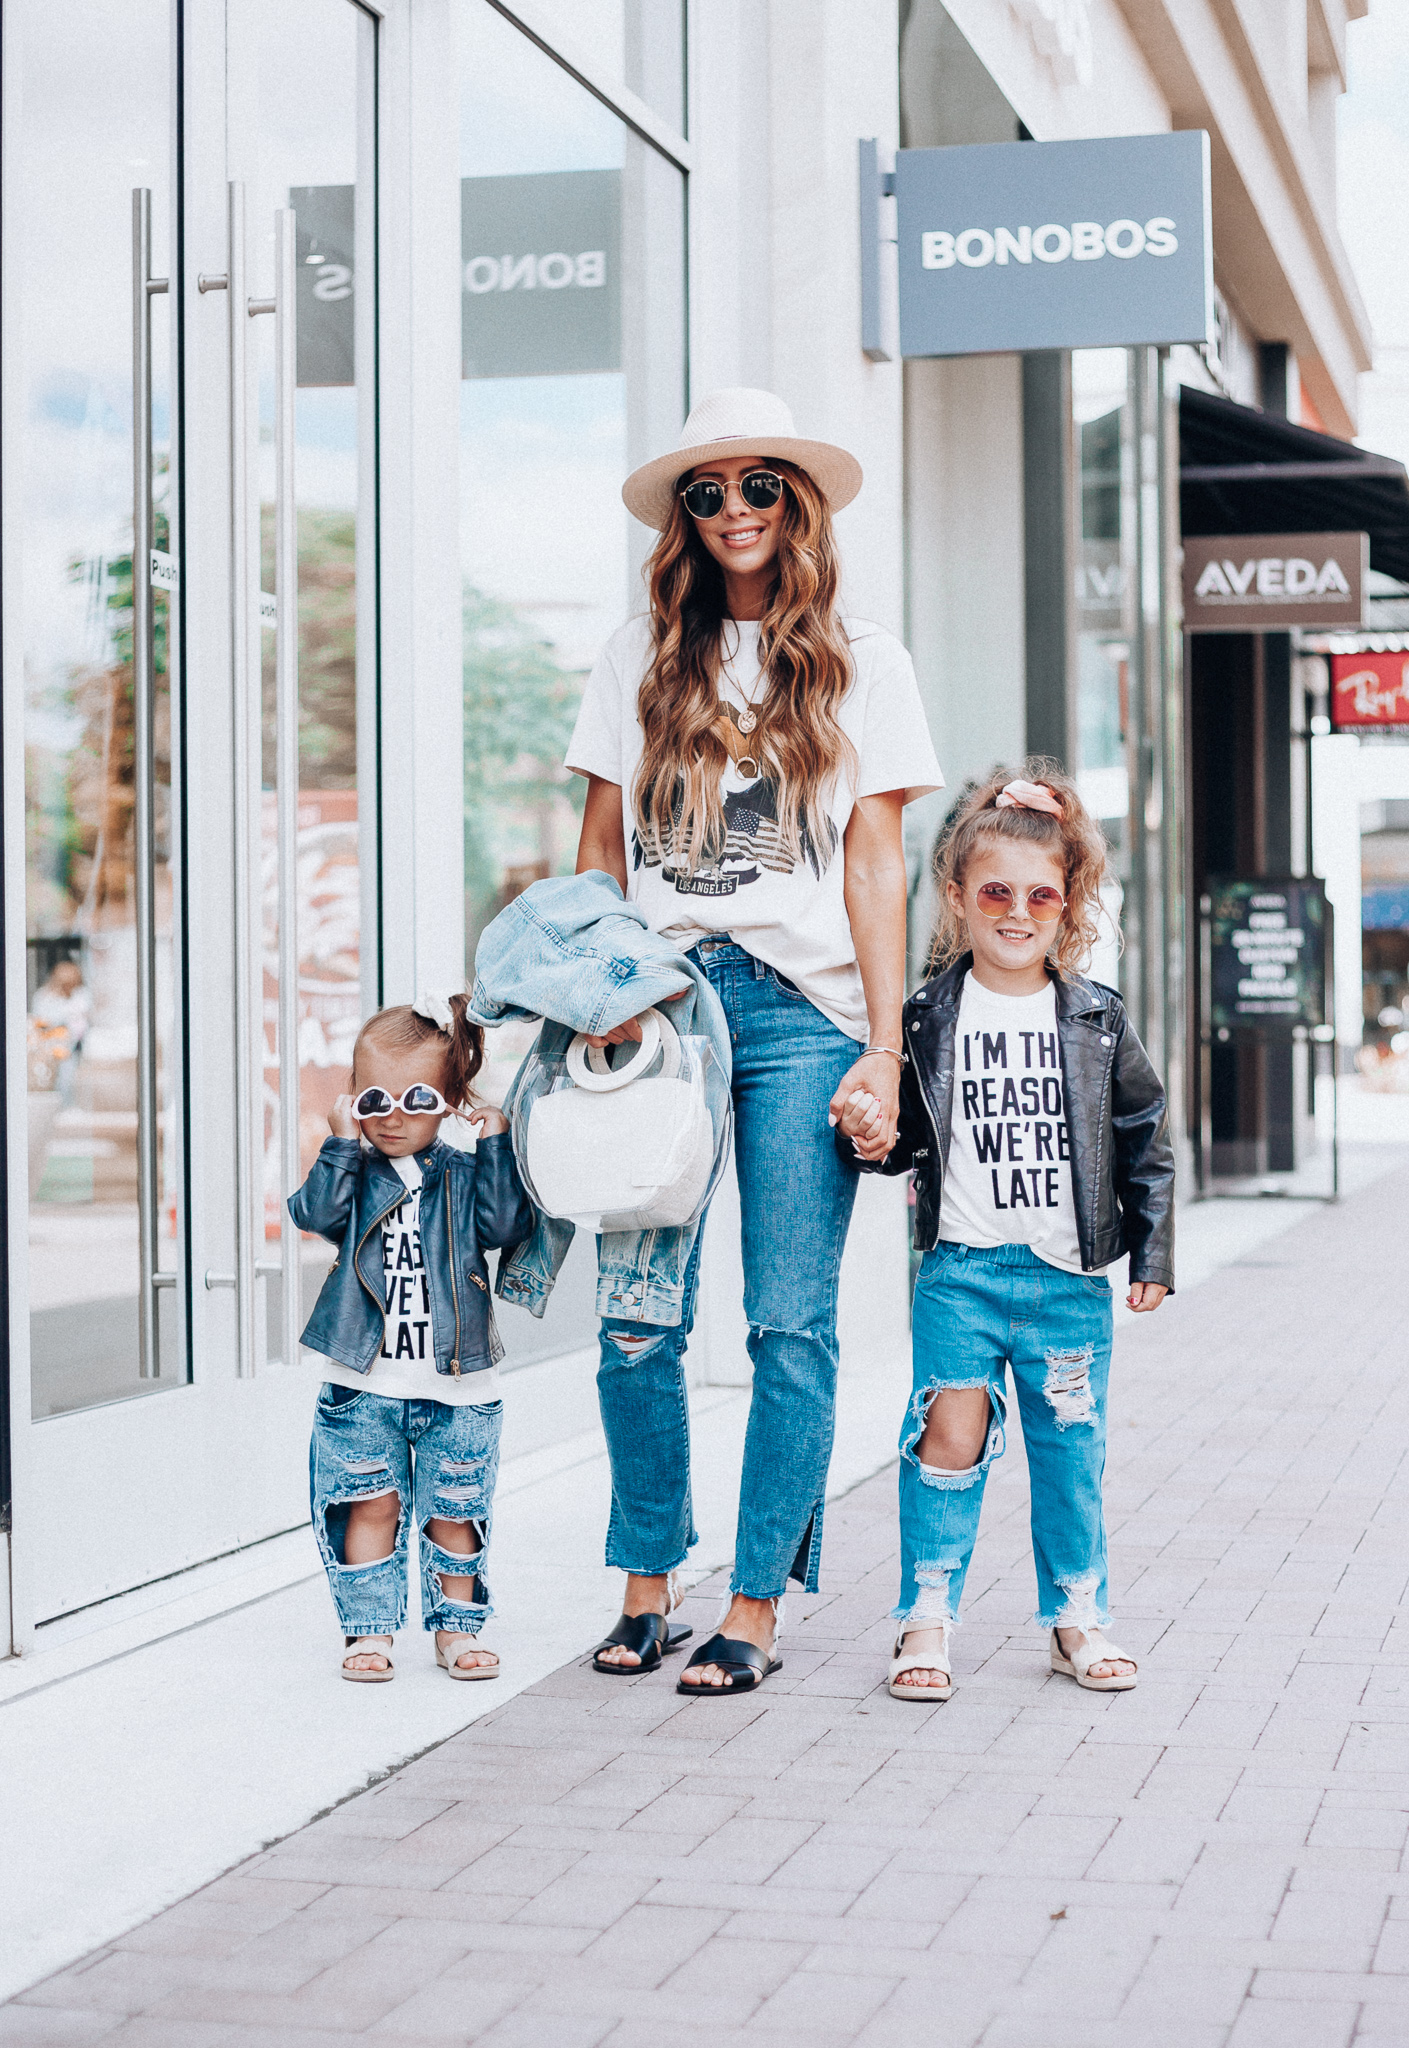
{"x":516,"y":240}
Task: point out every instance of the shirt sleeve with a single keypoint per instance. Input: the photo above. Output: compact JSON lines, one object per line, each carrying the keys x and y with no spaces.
{"x":896,"y":749}
{"x":596,"y":744}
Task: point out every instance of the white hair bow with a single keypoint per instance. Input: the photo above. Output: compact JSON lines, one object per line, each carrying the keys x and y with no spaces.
{"x":435,"y":1008}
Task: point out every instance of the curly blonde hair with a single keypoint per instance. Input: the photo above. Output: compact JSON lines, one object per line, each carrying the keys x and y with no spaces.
{"x":1074,"y":839}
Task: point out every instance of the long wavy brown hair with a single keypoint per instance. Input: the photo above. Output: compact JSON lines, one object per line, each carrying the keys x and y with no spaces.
{"x":803,"y":651}
{"x":1074,"y":839}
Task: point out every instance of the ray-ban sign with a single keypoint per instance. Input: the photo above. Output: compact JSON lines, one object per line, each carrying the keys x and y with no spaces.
{"x":1268,"y":582}
{"x":1046,"y":245}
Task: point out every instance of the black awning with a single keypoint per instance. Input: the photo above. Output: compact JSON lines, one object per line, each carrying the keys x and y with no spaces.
{"x":1242,"y":471}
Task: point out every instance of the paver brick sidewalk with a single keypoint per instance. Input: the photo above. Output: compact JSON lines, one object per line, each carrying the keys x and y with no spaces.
{"x":1214,"y":1859}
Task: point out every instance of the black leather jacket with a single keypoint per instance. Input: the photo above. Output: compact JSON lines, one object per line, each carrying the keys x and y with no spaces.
{"x":1122,"y":1164}
{"x":471,"y":1202}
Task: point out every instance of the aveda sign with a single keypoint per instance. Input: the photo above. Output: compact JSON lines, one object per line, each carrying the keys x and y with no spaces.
{"x":1267,"y":582}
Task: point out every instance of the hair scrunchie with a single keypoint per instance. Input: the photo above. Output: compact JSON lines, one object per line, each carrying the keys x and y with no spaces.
{"x":1027,"y":796}
{"x":435,"y":1008}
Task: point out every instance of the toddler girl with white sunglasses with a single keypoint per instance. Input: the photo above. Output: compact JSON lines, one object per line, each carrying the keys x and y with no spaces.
{"x":408,"y":1417}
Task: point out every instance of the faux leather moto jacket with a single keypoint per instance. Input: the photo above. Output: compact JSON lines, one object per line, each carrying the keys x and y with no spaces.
{"x":1122,"y":1164}
{"x":471,"y":1202}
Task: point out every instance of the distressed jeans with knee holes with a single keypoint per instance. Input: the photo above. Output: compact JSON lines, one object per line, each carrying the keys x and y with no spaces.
{"x":795,"y":1196}
{"x":975,"y":1312}
{"x":441,"y":1463}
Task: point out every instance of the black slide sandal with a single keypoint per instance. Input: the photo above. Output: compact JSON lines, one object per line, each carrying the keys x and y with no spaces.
{"x":650,"y":1636}
{"x":746,"y":1665}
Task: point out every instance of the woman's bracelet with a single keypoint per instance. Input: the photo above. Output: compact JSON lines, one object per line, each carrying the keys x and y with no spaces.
{"x":903,"y":1057}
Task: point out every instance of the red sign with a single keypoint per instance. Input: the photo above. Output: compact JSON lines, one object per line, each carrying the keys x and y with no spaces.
{"x":1369,"y":690}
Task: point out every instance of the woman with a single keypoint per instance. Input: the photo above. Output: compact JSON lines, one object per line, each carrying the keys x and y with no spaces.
{"x":748,"y":753}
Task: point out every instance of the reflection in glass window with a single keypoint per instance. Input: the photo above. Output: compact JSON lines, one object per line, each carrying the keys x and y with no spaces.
{"x":637,"y":43}
{"x":306,"y":76}
{"x":573,"y":330}
{"x":94,"y":124}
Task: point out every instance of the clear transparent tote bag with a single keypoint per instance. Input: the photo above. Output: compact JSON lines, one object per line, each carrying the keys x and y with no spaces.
{"x":629,"y":1137}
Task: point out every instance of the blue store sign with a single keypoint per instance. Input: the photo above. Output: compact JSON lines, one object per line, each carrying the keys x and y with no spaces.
{"x":1054,"y":245}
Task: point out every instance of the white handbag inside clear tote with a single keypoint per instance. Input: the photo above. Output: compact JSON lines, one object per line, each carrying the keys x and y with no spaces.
{"x":623,"y":1147}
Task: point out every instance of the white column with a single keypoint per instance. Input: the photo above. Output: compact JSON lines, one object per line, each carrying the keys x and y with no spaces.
{"x":780,"y":96}
{"x":422,"y":713}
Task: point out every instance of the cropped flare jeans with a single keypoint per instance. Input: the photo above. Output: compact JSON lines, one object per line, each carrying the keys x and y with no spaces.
{"x":796,"y":1196}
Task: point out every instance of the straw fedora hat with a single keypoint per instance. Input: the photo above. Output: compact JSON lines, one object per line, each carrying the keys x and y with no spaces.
{"x":739,"y":422}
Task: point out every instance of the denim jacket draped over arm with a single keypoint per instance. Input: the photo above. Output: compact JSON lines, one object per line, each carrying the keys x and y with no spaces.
{"x":574,"y":952}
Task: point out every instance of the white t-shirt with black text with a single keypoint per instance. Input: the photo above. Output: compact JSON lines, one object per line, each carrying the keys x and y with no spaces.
{"x":789,"y":913}
{"x":405,"y":1368}
{"x":1008,"y":1177}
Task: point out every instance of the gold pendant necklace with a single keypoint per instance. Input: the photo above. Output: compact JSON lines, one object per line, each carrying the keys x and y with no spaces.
{"x":745,"y":763}
{"x":747,"y":719}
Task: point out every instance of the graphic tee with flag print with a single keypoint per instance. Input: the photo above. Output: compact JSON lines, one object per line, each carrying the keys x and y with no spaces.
{"x":786,"y":907}
{"x":1008,"y":1177}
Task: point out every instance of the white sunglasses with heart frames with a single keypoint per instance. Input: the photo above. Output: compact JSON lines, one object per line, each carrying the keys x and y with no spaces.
{"x":420,"y":1099}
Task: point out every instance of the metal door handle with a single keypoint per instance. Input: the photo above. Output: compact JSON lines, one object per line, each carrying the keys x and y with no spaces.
{"x":245,"y":757}
{"x":283,"y":306}
{"x":286,"y":749}
{"x":145,"y":288}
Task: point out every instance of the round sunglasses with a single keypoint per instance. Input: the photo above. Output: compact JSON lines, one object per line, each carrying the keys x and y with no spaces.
{"x":759,"y":488}
{"x":1044,"y":905}
{"x":420,"y":1099}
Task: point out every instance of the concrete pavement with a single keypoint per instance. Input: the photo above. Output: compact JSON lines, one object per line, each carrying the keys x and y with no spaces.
{"x":1214,"y":1860}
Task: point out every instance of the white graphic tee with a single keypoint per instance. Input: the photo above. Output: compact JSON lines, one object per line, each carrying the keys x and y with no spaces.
{"x":1008,"y":1177}
{"x":789,"y":913}
{"x":408,"y":1294}
{"x":405,"y":1369}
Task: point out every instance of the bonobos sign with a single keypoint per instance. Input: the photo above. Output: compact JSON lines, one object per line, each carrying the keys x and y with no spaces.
{"x":1053,"y":245}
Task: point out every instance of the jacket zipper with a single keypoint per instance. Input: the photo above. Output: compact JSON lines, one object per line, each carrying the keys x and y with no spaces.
{"x":454,"y":1290}
{"x":375,"y":1224}
{"x":934,"y":1126}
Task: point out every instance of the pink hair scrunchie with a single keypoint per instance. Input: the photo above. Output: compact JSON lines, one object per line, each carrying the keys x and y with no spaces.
{"x":1027,"y":796}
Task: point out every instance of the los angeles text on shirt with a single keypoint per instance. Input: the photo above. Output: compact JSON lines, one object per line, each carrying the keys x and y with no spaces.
{"x":1017,"y":1115}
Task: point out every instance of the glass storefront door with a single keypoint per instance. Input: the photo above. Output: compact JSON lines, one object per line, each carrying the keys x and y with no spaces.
{"x":98,"y":818}
{"x":202,"y":901}
{"x":190,"y":654}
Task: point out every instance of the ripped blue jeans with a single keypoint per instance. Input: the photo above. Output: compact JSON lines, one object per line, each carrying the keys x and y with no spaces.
{"x":441,"y":1462}
{"x":795,"y":1196}
{"x":977,"y":1311}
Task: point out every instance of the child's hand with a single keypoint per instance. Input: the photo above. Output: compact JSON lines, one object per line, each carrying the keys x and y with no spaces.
{"x":1145,"y":1294}
{"x":861,"y":1117}
{"x":490,"y":1122}
{"x":341,"y":1122}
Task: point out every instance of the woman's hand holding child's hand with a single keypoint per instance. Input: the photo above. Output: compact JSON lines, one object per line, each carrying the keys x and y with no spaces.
{"x":861,"y":1119}
{"x":341,"y":1122}
{"x":490,"y":1122}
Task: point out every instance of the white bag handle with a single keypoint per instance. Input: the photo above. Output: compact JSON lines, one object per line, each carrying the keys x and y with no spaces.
{"x":591,"y":1068}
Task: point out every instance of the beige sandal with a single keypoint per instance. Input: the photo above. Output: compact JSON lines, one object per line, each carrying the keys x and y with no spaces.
{"x":902,"y":1662}
{"x":367,"y":1646}
{"x":1095,"y":1650}
{"x":455,"y":1649}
